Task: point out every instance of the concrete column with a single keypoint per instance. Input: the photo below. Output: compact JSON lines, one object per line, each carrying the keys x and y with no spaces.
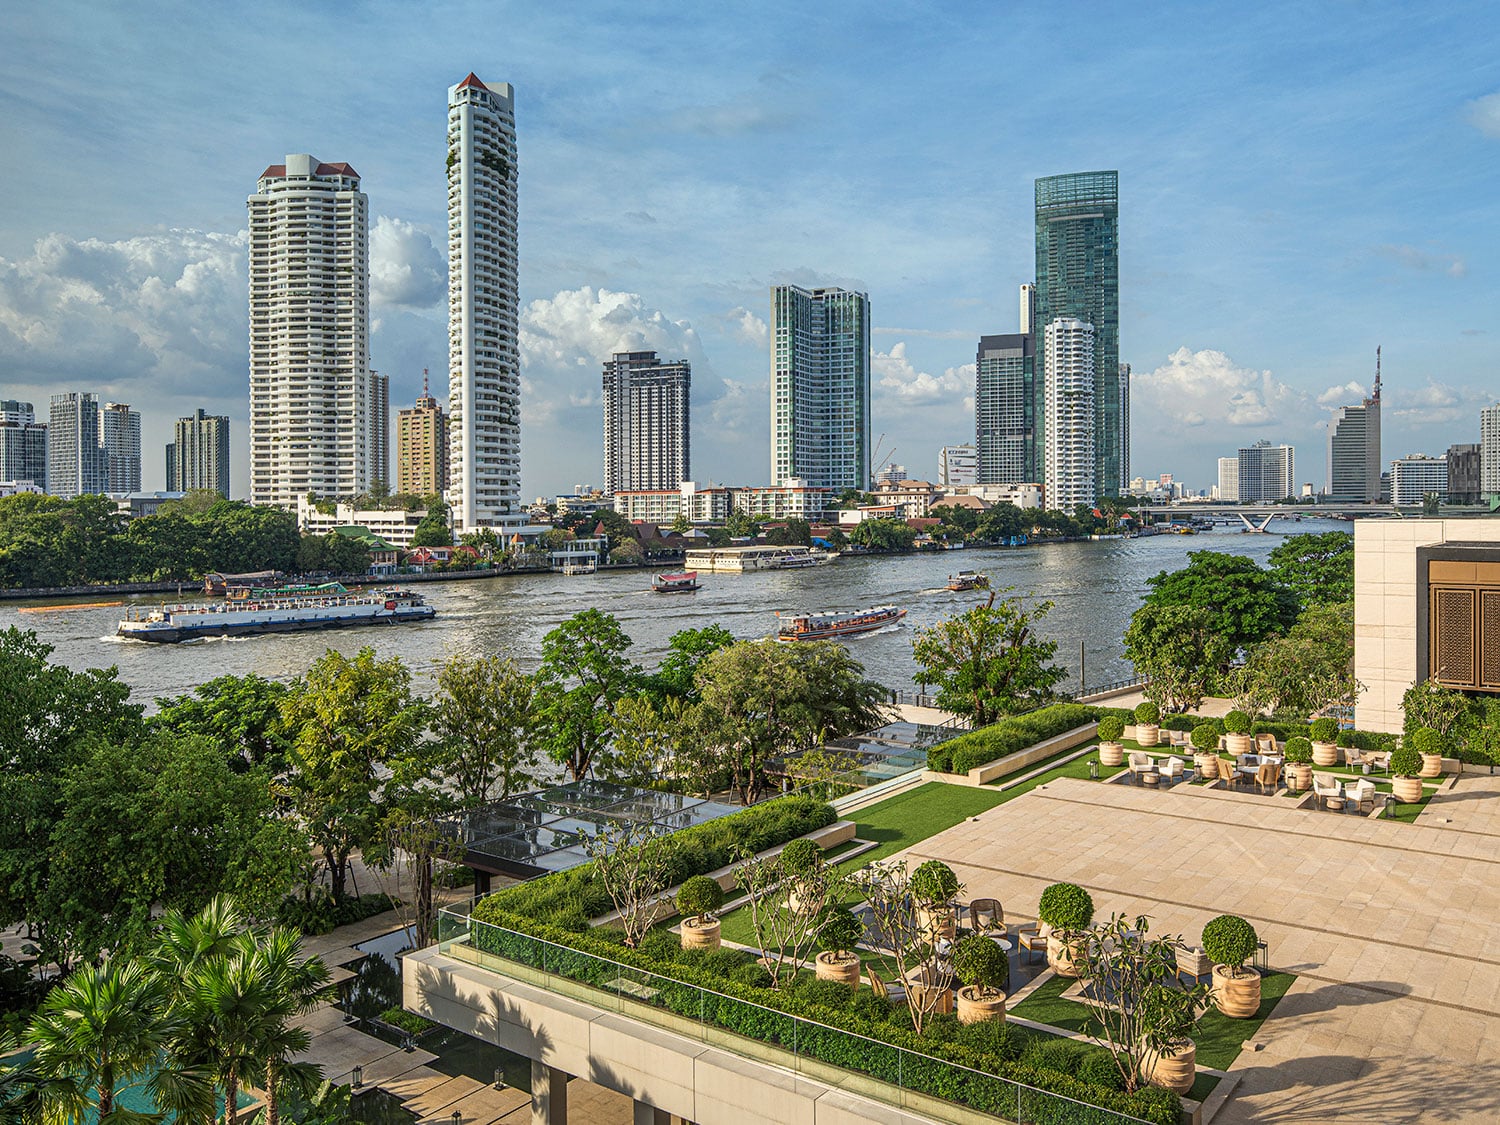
{"x":549,"y":1095}
{"x":647,"y":1114}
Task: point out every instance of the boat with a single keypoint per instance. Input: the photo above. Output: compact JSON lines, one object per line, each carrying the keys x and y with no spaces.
{"x":249,"y":610}
{"x":683,"y":582}
{"x":968,"y":580}
{"x":757,"y":557}
{"x":827,"y":625}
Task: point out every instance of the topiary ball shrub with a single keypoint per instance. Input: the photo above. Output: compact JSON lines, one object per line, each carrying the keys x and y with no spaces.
{"x":1406,"y":761}
{"x":801,"y":857}
{"x":1298,"y":751}
{"x":1111,"y":728}
{"x":1229,"y":940}
{"x":1205,"y":738}
{"x":1066,"y":907}
{"x":1349,"y":739}
{"x":699,"y":897}
{"x":934,"y":883}
{"x":1098,"y":1069}
{"x":1425,"y":740}
{"x":1238,"y":722}
{"x":1325,"y":729}
{"x":841,"y":931}
{"x":980,"y":962}
{"x":822,"y":993}
{"x":1148,"y":713}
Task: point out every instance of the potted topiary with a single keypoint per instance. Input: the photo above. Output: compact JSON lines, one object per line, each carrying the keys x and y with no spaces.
{"x":840,"y":932}
{"x":984,"y":969}
{"x":1237,"y":727}
{"x":1170,"y":1057}
{"x":1432,"y":746}
{"x":1205,"y":738}
{"x":1147,"y":715}
{"x":1324,"y":733}
{"x":1406,"y":772}
{"x":799,"y":860}
{"x":1111,"y":753}
{"x":1230,"y":941}
{"x":1298,"y":753}
{"x":697,"y":899}
{"x":933,"y":889}
{"x":1068,"y":911}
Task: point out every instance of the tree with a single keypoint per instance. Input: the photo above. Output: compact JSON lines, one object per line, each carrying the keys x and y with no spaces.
{"x":349,"y":721}
{"x":741,"y":525}
{"x":987,"y":662}
{"x":630,"y":551}
{"x":763,"y":702}
{"x":433,"y":529}
{"x":296,"y":986}
{"x":686,"y":649}
{"x":634,"y":864}
{"x":1311,"y":667}
{"x":240,"y":714}
{"x":788,"y":893}
{"x":909,"y":950}
{"x":583,"y":674}
{"x":646,"y":737}
{"x":1246,"y":604}
{"x":1180,"y":651}
{"x":484,"y":718}
{"x":1318,"y":569}
{"x":883,"y":535}
{"x":793,"y":533}
{"x":682,"y":525}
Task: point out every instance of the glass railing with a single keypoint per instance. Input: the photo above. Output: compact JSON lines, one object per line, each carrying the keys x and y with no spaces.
{"x":942,"y":1090}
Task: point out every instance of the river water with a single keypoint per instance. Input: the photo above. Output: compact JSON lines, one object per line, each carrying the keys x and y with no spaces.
{"x":1095,"y":587}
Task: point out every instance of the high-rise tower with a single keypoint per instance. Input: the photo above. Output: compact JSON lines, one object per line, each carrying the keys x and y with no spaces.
{"x":484,"y":364}
{"x":120,"y":437}
{"x":1078,"y":278}
{"x":422,"y":447}
{"x":198,"y":457}
{"x":647,"y":416}
{"x":1071,"y":472}
{"x":23,"y":444}
{"x":309,"y":333}
{"x":1354,"y":465}
{"x":820,"y":387}
{"x":75,"y":459}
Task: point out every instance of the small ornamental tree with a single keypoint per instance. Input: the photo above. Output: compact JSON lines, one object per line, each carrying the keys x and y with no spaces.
{"x":1325,"y":729}
{"x":787,"y":894}
{"x":1237,"y":722}
{"x":633,"y":864}
{"x":904,"y":946}
{"x":1298,"y":750}
{"x":1148,"y":713}
{"x":934,"y":884}
{"x":981,"y":964}
{"x":1406,"y":762}
{"x":1425,"y":740}
{"x":1111,"y":728}
{"x":1230,"y":941}
{"x":1066,"y":907}
{"x":840,"y":932}
{"x":1205,"y":738}
{"x":800,"y":857}
{"x":698,"y":898}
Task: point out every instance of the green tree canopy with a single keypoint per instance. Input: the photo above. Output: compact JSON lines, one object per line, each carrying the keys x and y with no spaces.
{"x":1246,"y":604}
{"x":883,"y":535}
{"x":241,"y":714}
{"x":685,"y":651}
{"x":584,"y":672}
{"x":1318,"y":569}
{"x":1308,"y":669}
{"x":988,"y":662}
{"x":433,"y":529}
{"x":1180,"y":649}
{"x":484,"y":718}
{"x":793,"y":533}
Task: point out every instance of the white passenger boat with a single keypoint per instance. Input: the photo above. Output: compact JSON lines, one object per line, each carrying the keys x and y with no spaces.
{"x":248,"y":610}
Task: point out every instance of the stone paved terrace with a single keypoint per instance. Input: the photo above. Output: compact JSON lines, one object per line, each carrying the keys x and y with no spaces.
{"x":1393,"y":929}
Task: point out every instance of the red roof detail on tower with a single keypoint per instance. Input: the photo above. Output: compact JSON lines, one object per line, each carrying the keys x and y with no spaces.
{"x":472,"y":80}
{"x":340,"y":169}
{"x":274,"y":170}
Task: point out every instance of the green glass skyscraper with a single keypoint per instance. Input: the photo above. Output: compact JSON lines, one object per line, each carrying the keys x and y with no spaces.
{"x":1078,"y":278}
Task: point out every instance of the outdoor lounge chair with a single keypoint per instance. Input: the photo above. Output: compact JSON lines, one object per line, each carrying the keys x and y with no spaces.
{"x":893,"y":992}
{"x":1268,"y":776}
{"x":1265,"y":744}
{"x":1172,"y":767}
{"x":1325,"y":787}
{"x":1193,"y":962}
{"x":1141,"y":763}
{"x":986,"y":914}
{"x":1362,"y":793}
{"x":1180,"y":738}
{"x":1032,"y":938}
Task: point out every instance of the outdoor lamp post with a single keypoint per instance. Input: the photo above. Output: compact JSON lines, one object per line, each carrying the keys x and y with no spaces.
{"x":1094,"y":770}
{"x":458,"y":1118}
{"x":359,"y":1077}
{"x":499,"y":1079}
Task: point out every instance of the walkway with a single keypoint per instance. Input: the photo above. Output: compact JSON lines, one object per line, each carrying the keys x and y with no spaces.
{"x":1393,"y":929}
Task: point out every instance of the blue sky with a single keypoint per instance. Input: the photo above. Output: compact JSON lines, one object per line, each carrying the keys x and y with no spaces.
{"x":1299,"y":183}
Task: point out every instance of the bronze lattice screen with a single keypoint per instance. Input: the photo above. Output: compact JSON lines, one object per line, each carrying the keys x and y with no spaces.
{"x":1463,"y":648}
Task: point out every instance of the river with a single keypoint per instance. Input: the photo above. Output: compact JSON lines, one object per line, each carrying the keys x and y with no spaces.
{"x":1095,"y":587}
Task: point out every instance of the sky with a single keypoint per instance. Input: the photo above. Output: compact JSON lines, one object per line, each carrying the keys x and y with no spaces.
{"x":1298,"y":184}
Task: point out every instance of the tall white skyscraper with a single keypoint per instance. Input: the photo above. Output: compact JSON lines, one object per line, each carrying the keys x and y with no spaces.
{"x":820,"y":387}
{"x":23,"y":444}
{"x":1229,"y":479}
{"x":75,"y":459}
{"x":1069,"y":411}
{"x":1267,"y":473}
{"x":484,"y":363}
{"x":309,"y":333}
{"x":1489,"y":453}
{"x":120,"y":437}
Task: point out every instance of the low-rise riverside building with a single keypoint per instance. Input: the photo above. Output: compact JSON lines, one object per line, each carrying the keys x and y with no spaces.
{"x":396,"y":526}
{"x":714,"y":504}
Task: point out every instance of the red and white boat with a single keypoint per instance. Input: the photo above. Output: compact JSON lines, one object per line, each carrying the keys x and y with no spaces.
{"x":829,"y":625}
{"x":683,"y":582}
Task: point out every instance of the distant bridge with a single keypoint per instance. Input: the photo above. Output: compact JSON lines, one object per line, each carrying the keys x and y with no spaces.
{"x":1231,"y":513}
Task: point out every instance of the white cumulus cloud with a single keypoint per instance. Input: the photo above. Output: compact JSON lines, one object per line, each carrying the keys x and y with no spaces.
{"x":1197,"y":388}
{"x":1436,"y":403}
{"x":1345,"y":394}
{"x":1484,"y":114}
{"x":406,"y":269}
{"x":748,"y":327}
{"x":901,"y":379}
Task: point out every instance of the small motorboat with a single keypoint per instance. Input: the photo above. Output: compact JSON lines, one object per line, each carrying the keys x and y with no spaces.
{"x":968,"y":580}
{"x":682,"y":582}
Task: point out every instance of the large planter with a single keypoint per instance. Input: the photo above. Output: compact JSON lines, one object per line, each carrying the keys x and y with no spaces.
{"x":1432,"y":765}
{"x":842,"y":967}
{"x":1298,"y":776}
{"x":1147,"y":734}
{"x":1325,"y":753}
{"x":700,"y":934}
{"x":1207,"y":766}
{"x":1238,"y":744}
{"x":975,"y":1008}
{"x":936,"y":922}
{"x":1111,"y":754}
{"x":795,"y":904}
{"x":1238,"y":997}
{"x":1407,"y":790}
{"x":1062,"y":953}
{"x":1175,"y":1073}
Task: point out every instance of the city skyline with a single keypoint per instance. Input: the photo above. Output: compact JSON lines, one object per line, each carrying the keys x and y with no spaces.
{"x":1261,"y":266}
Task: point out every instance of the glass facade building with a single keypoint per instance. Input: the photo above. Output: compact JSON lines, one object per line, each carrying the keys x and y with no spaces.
{"x":1005,"y":405}
{"x":1354,"y":465}
{"x":820,"y":387}
{"x":1078,"y":278}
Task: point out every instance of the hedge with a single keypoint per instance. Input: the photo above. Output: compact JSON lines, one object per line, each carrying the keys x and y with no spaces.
{"x":572,"y":897}
{"x":977,"y":747}
{"x":766,"y":1015}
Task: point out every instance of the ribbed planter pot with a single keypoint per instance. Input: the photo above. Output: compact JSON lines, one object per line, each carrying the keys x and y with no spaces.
{"x":1175,"y":1073}
{"x":939,"y":921}
{"x":976,"y":1008}
{"x":1062,"y":949}
{"x":1207,"y":766}
{"x":1129,"y":732}
{"x":842,"y":967}
{"x":1432,"y":765}
{"x":1238,"y":997}
{"x":1239,"y":743}
{"x":1298,"y":776}
{"x":1147,"y":734}
{"x":795,"y":904}
{"x":1111,"y":754}
{"x":1407,"y":790}
{"x":1325,"y":753}
{"x":699,"y":934}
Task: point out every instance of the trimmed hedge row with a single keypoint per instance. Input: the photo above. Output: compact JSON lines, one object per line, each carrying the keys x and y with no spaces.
{"x":766,"y":1015}
{"x":976,"y":748}
{"x":570,"y":898}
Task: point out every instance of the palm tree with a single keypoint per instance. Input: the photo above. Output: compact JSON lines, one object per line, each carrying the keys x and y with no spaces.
{"x":20,"y":1085}
{"x":298,"y":986}
{"x":99,"y":1030}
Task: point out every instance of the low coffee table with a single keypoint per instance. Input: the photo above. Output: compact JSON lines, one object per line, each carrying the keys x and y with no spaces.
{"x":1334,"y":803}
{"x":1150,"y":777}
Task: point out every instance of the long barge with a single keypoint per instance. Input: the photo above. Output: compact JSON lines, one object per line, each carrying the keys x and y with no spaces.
{"x":249,"y":611}
{"x":828,"y":626}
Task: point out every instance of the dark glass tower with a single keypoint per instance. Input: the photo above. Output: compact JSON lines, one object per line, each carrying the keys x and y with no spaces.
{"x":1078,"y":277}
